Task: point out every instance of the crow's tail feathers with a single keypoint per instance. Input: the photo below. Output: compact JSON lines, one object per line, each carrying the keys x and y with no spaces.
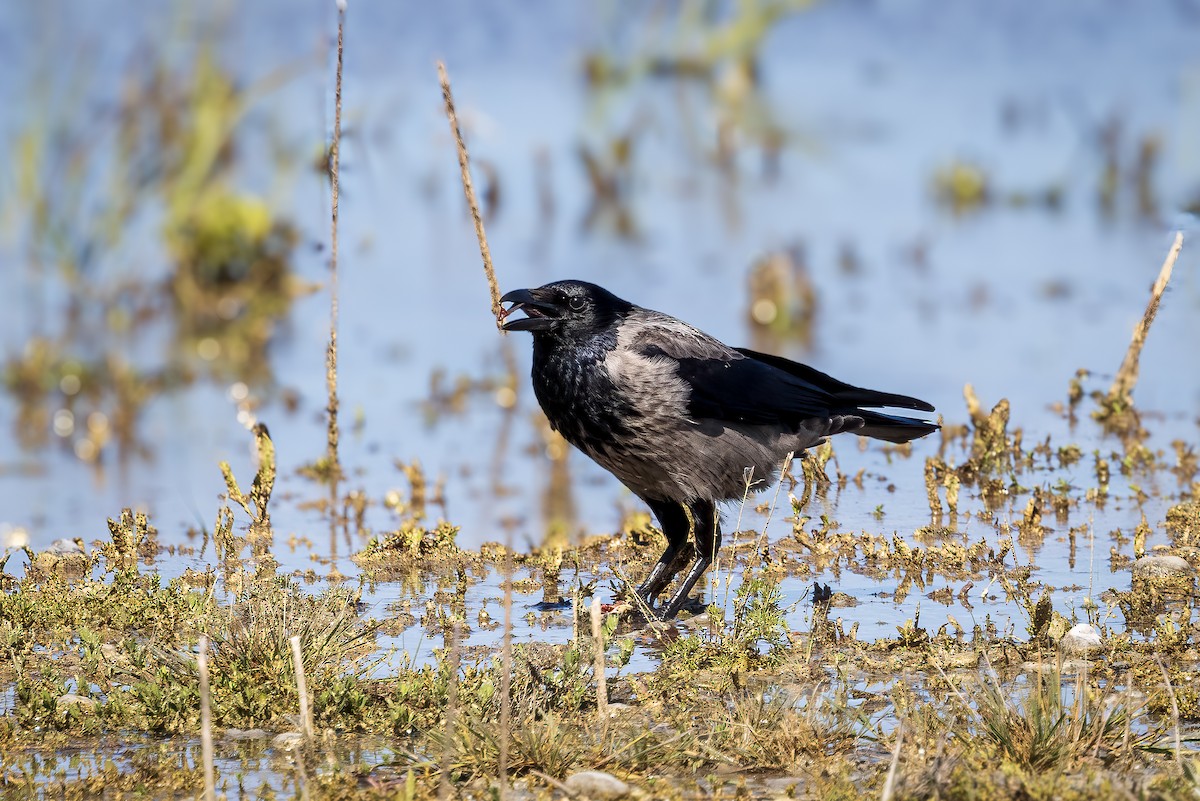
{"x":891,"y":427}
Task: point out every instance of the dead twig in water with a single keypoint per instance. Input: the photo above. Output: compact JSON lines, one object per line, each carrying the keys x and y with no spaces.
{"x":445,"y":789}
{"x":1120,"y":394}
{"x":506,"y":675}
{"x":1174,"y":704}
{"x":206,"y":740}
{"x":469,"y":190}
{"x":598,"y":645}
{"x":889,"y":784}
{"x":306,"y":718}
{"x":331,"y":453}
{"x":555,"y":783}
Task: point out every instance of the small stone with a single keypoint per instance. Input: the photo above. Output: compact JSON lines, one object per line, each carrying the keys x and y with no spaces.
{"x":288,"y":740}
{"x":64,"y":702}
{"x":113,"y":655}
{"x":1081,"y":639}
{"x":784,"y":784}
{"x":1166,"y":566}
{"x":248,"y":734}
{"x":597,"y":784}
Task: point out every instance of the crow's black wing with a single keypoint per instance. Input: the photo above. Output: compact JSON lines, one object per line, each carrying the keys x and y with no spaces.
{"x":722,"y":383}
{"x":842,"y":392}
{"x":739,"y":389}
{"x":744,"y":386}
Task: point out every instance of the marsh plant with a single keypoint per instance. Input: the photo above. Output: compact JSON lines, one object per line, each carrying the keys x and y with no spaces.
{"x":775,"y":730}
{"x":754,"y":638}
{"x":1056,"y":721}
{"x":165,"y":150}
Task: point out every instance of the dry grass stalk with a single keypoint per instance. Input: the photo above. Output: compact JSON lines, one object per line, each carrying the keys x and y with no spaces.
{"x":1174,"y":710}
{"x":601,"y":679}
{"x":445,"y":791}
{"x":506,"y":676}
{"x":306,"y":720}
{"x":469,"y":190}
{"x":331,"y":352}
{"x":206,"y":740}
{"x":731,"y":552}
{"x":889,"y":784}
{"x":555,"y":783}
{"x":1127,"y":376}
{"x":756,"y":557}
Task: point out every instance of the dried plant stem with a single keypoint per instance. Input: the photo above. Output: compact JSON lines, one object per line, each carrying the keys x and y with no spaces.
{"x":469,"y":190}
{"x":331,"y":453}
{"x":306,"y":720}
{"x":1127,"y":376}
{"x":206,"y":740}
{"x":444,"y":789}
{"x":555,"y":783}
{"x":762,"y":538}
{"x":889,"y":784}
{"x":1174,"y":709}
{"x":732,"y":551}
{"x":601,"y":679}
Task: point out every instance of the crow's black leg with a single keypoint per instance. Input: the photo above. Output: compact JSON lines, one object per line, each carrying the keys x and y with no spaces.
{"x":708,"y":540}
{"x":675,"y":526}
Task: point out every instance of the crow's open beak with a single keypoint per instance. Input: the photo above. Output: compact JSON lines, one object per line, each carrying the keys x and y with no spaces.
{"x":540,"y":314}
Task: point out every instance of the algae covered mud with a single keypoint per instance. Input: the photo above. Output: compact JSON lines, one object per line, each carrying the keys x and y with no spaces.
{"x":1003,"y":610}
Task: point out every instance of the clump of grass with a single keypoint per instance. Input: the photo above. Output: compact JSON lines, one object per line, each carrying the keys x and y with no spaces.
{"x":254,"y":678}
{"x":717,"y":48}
{"x":770,"y":730}
{"x":544,"y":744}
{"x":232,"y":281}
{"x":754,"y":639}
{"x":91,"y":401}
{"x":1054,"y":724}
{"x":114,"y":652}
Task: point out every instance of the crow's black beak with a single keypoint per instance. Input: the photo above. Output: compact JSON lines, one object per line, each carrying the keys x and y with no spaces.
{"x":540,"y":314}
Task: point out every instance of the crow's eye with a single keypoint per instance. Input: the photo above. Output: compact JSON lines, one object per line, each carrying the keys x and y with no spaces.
{"x":576,"y":303}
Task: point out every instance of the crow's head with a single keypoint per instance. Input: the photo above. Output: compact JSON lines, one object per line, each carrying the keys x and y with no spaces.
{"x":564,"y":310}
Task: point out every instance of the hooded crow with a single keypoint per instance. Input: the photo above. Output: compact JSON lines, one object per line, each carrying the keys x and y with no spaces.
{"x":678,"y":416}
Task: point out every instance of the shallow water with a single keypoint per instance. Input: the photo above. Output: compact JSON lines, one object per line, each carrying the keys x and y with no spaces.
{"x":911,"y":296}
